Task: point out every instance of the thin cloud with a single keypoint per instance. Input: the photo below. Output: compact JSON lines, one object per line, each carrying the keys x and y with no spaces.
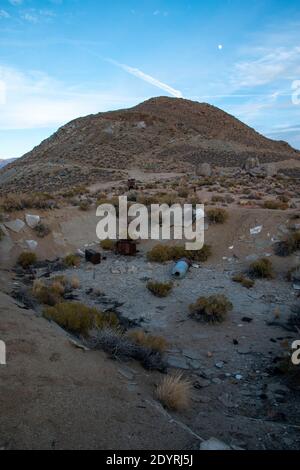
{"x":147,"y":78}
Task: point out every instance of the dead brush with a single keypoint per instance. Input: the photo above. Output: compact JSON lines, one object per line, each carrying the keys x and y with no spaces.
{"x":174,"y":392}
{"x":288,"y":246}
{"x":217,"y":215}
{"x":261,"y":268}
{"x":162,"y":253}
{"x":153,"y":342}
{"x":160,"y":289}
{"x":42,"y":230}
{"x":274,"y":204}
{"x":26,"y":259}
{"x":72,"y":260}
{"x":47,"y":294}
{"x":212,"y":309}
{"x":243,"y":280}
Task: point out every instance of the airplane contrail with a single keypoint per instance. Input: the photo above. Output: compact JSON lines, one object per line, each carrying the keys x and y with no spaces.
{"x":147,"y":78}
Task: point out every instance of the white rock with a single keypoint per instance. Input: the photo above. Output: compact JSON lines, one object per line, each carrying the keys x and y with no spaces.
{"x":32,"y":220}
{"x":214,"y":444}
{"x":32,"y":244}
{"x":15,"y":225}
{"x":256,"y":230}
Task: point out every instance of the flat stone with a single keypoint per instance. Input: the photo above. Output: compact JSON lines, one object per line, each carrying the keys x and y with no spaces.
{"x":178,"y":362}
{"x":15,"y":225}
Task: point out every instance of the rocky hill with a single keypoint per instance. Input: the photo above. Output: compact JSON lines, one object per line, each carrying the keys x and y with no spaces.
{"x":160,"y":134}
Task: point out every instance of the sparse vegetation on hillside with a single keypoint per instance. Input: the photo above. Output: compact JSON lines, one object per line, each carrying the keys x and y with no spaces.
{"x":108,"y":245}
{"x":275,"y":204}
{"x":153,"y":342}
{"x":72,"y":260}
{"x":289,"y":245}
{"x":42,"y":230}
{"x":161,"y":253}
{"x":245,"y":281}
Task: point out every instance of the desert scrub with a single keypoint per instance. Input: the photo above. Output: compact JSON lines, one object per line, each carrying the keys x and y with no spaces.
{"x":174,"y":392}
{"x":42,"y":230}
{"x":153,"y":342}
{"x":79,"y":318}
{"x":108,"y":245}
{"x":243,"y":280}
{"x":26,"y":259}
{"x":289,"y":245}
{"x":161,"y":253}
{"x":84,"y":205}
{"x":15,"y":202}
{"x":217,"y":216}
{"x":48,"y":294}
{"x":160,"y":289}
{"x":75,"y":283}
{"x":72,"y":260}
{"x":212,"y":309}
{"x":275,"y":204}
{"x":261,"y":268}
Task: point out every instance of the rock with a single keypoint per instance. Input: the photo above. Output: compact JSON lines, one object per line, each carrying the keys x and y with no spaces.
{"x":32,"y":220}
{"x":270,"y":169}
{"x":219,"y":365}
{"x":15,"y":225}
{"x":251,"y":163}
{"x":178,"y":362}
{"x":204,"y":170}
{"x":214,"y":444}
{"x":32,"y":244}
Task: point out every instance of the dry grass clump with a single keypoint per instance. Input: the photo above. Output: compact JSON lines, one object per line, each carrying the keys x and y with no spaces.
{"x":79,"y":318}
{"x":72,"y":260}
{"x":48,"y":294}
{"x":289,"y":245}
{"x":275,"y":204}
{"x":153,"y":342}
{"x":42,"y":230}
{"x":262,"y":268}
{"x":212,"y":309}
{"x":245,"y":281}
{"x":160,"y":289}
{"x":161,"y":253}
{"x":217,"y":215}
{"x":183,"y":192}
{"x":84,"y":205}
{"x":26,"y":259}
{"x":108,"y":245}
{"x":174,"y":392}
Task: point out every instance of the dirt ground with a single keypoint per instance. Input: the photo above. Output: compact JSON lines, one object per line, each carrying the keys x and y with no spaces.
{"x":57,"y":396}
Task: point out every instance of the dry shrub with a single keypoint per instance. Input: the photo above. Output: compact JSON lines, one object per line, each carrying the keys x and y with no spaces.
{"x":42,"y":230}
{"x":153,"y":342}
{"x":212,"y":309}
{"x":75,"y":283}
{"x":288,"y":246}
{"x":48,"y":294}
{"x":262,"y":268}
{"x":84,"y":205}
{"x":275,"y":204}
{"x":72,"y":260}
{"x":183,"y":192}
{"x":217,"y":215}
{"x":108,"y":244}
{"x":79,"y":318}
{"x":160,"y":289}
{"x":174,"y":392}
{"x":245,"y":281}
{"x":120,"y":346}
{"x":15,"y":202}
{"x":26,"y":259}
{"x":161,"y":253}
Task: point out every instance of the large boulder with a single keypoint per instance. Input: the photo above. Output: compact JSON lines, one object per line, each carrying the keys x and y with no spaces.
{"x":251,"y":163}
{"x":15,"y":225}
{"x":204,"y":170}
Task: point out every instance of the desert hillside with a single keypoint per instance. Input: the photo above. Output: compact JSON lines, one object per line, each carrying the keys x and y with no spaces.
{"x":159,"y":134}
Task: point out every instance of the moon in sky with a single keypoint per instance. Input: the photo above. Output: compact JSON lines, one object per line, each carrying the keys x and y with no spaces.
{"x":220,"y":47}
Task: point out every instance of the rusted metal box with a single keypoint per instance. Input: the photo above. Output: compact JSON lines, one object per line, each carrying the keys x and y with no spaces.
{"x":92,"y":256}
{"x":126,"y":247}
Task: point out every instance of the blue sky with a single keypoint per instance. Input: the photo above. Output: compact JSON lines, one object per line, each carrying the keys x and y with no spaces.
{"x":60,"y":59}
